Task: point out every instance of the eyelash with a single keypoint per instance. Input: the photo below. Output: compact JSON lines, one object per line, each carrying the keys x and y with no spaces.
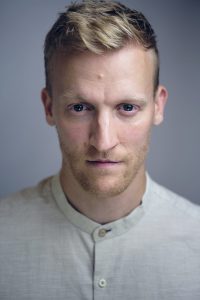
{"x":87,"y":107}
{"x":131,"y":108}
{"x":134,"y":108}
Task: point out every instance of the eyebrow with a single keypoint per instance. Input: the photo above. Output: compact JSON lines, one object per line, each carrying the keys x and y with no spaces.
{"x":136,"y":99}
{"x":70,"y":95}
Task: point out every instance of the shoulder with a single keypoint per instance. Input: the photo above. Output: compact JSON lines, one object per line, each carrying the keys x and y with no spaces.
{"x":29,"y":213}
{"x":28,"y":199}
{"x":171,"y":204}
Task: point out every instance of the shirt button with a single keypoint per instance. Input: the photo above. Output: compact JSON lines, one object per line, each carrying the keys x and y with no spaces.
{"x":102,"y":232}
{"x":102,"y":283}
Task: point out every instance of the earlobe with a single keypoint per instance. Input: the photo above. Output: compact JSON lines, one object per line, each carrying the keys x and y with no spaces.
{"x":47,"y":102}
{"x":160,"y":101}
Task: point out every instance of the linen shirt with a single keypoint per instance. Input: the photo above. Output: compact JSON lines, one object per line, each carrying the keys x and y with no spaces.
{"x":50,"y":251}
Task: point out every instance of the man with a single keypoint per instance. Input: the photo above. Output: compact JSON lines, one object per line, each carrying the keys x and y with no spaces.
{"x":101,"y":228}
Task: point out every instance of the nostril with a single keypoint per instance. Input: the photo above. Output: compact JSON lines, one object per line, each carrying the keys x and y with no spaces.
{"x":103,"y":142}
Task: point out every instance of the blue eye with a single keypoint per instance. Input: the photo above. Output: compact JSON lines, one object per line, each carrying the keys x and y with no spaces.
{"x":78,"y":107}
{"x":128,"y":107}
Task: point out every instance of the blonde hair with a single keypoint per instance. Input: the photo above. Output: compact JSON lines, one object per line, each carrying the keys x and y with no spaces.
{"x":98,"y":26}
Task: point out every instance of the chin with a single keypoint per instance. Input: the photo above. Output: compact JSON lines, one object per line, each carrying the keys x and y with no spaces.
{"x":104,"y":187}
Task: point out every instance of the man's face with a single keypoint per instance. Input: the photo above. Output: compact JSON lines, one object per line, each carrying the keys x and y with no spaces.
{"x":103,"y":107}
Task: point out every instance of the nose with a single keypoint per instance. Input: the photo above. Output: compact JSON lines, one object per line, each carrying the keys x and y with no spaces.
{"x":103,"y":132}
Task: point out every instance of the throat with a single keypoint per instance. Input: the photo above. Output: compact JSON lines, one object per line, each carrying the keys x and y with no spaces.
{"x":105,"y":210}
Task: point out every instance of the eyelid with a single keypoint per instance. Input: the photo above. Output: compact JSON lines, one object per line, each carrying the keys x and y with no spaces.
{"x":90,"y":107}
{"x":87,"y":105}
{"x":126,"y":103}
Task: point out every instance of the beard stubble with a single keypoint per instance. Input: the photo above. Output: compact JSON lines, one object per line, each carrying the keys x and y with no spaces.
{"x":102,"y":183}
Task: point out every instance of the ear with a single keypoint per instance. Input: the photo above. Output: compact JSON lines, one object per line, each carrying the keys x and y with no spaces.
{"x":160,"y":101}
{"x":47,"y":102}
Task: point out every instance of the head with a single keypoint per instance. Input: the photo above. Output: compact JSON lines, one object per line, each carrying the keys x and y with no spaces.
{"x":98,"y":26}
{"x":102,"y":94}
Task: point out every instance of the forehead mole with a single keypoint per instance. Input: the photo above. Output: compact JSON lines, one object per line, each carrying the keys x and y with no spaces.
{"x":100,"y":76}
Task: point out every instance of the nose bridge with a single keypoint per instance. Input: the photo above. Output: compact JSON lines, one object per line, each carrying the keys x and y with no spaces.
{"x":104,"y":135}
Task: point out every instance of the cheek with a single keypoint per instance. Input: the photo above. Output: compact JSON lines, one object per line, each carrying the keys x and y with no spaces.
{"x":72,"y":134}
{"x":136,"y":133}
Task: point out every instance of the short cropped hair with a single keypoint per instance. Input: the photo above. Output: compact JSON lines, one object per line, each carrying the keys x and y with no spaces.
{"x":98,"y":26}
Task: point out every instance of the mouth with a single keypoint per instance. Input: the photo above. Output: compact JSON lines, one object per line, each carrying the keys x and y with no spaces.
{"x":103,"y":163}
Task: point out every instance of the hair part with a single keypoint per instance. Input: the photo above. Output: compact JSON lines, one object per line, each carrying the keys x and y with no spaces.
{"x":98,"y":26}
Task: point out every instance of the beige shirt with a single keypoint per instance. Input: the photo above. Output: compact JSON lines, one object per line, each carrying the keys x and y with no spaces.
{"x":49,"y":251}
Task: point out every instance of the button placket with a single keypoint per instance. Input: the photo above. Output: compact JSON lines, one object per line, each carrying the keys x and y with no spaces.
{"x":101,"y":237}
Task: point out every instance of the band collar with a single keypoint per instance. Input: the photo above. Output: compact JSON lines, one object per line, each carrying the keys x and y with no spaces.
{"x":97,"y":230}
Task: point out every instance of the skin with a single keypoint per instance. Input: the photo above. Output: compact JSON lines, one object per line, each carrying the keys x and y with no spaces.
{"x":104,"y":107}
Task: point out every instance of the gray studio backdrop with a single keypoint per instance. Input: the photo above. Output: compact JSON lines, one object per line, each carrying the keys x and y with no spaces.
{"x":29,"y":148}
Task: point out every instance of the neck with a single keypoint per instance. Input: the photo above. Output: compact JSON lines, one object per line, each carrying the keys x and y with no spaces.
{"x":105,"y":210}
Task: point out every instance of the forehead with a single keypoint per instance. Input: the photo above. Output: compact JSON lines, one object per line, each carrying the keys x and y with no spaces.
{"x":131,"y":67}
